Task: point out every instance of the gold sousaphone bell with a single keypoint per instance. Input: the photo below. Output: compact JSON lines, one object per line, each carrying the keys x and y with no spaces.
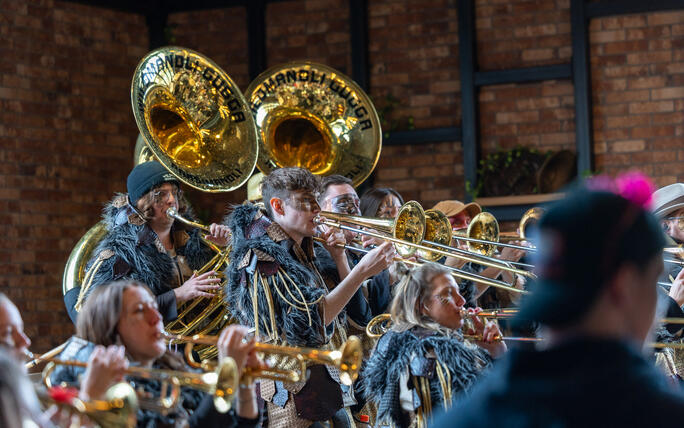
{"x":312,"y":116}
{"x":194,"y":119}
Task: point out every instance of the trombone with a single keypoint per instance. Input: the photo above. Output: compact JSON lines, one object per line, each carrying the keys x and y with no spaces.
{"x":347,"y":358}
{"x":458,"y":273}
{"x":222,"y":383}
{"x":381,"y":324}
{"x":486,"y":228}
{"x":407,"y":231}
{"x":529,"y":218}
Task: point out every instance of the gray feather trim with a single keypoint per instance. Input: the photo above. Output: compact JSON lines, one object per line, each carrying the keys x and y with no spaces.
{"x":393,"y":355}
{"x":250,"y":233}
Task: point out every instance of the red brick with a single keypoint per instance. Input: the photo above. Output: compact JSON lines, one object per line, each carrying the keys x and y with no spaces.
{"x":649,"y":57}
{"x":667,"y":93}
{"x":651,"y":107}
{"x":647,"y":82}
{"x":628,"y":146}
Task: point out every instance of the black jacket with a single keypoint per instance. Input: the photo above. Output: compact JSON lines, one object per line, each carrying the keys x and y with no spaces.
{"x":583,"y":383}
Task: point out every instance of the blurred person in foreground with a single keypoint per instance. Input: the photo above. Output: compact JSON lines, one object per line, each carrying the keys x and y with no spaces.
{"x":600,"y":257}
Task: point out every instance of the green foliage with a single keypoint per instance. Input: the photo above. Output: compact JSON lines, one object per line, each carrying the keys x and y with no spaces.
{"x":385,"y":107}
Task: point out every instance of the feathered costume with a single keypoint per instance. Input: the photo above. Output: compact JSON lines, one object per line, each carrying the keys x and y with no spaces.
{"x":274,"y":284}
{"x":131,"y":249}
{"x":414,"y":371}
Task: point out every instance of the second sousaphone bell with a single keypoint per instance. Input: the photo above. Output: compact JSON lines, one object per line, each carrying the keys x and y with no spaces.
{"x":312,"y":116}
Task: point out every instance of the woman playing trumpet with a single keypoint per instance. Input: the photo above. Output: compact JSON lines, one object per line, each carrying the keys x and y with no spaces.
{"x":123,"y":317}
{"x":424,"y":351}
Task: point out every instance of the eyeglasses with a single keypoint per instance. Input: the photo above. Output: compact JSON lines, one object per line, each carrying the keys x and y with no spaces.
{"x":304,"y":203}
{"x":163,"y":195}
{"x":679,"y":221}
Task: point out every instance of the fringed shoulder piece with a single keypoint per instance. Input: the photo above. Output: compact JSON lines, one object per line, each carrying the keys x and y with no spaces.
{"x":269,"y":289}
{"x":396,"y":352}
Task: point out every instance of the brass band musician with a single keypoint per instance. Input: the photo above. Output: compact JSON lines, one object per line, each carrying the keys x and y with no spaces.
{"x":143,"y":243}
{"x":274,"y":285}
{"x":423,"y":363}
{"x":120,"y":325}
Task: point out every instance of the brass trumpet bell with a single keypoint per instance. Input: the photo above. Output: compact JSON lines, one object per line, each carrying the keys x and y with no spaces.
{"x":194,"y":119}
{"x":312,"y":116}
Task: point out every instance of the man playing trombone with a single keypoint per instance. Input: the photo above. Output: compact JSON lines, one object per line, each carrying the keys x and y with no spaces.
{"x":274,"y":284}
{"x":460,"y":215}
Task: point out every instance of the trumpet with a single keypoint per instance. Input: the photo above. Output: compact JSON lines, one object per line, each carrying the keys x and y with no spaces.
{"x":222,"y":383}
{"x":347,"y":358}
{"x":117,"y":410}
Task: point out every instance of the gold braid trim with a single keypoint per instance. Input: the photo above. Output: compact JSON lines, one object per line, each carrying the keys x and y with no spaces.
{"x":273,"y":334}
{"x":274,"y":282}
{"x":255,"y":304}
{"x":289,"y":278}
{"x":422,"y":386}
{"x":444,"y":377}
{"x":87,"y":282}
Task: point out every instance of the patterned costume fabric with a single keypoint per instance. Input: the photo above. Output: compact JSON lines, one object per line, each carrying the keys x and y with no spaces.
{"x":274,"y":284}
{"x":131,"y":249}
{"x":423,"y":360}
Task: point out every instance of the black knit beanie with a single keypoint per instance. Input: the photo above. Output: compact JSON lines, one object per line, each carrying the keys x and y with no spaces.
{"x":146,"y":176}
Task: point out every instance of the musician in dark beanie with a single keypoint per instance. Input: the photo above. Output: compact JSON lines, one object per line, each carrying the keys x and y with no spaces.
{"x":145,"y":244}
{"x":599,"y":256}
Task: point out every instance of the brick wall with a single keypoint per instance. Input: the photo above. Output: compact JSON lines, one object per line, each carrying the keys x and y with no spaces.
{"x":637,"y":66}
{"x":220,"y":35}
{"x":67,"y":131}
{"x":414,"y":65}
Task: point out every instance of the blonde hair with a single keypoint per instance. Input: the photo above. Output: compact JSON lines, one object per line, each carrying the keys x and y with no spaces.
{"x":409,"y":295}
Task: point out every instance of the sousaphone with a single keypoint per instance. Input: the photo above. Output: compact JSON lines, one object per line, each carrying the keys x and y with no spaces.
{"x":312,"y":116}
{"x":193,"y":119}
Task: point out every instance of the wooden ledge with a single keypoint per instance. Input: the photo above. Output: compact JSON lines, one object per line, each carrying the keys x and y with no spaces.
{"x":497,"y":201}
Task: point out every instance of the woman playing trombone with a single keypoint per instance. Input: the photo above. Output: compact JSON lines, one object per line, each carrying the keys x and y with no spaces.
{"x":123,"y":317}
{"x":424,"y":353}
